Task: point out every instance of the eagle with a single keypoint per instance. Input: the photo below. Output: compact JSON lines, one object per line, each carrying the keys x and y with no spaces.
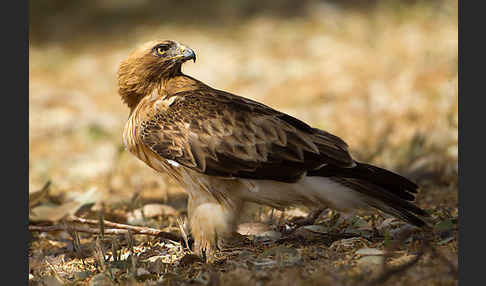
{"x":226,"y":150}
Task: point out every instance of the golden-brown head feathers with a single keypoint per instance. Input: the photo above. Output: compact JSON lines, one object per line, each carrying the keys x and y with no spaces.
{"x":148,"y":67}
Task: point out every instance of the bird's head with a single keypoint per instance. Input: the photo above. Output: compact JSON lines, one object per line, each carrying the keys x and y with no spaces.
{"x":148,"y":66}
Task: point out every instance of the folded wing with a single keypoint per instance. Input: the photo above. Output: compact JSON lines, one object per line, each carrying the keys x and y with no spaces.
{"x":221,"y":134}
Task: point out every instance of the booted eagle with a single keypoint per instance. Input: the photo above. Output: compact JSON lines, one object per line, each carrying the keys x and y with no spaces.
{"x":226,"y":150}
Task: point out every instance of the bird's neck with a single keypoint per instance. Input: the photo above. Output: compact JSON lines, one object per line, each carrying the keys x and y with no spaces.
{"x":179,"y":83}
{"x":166,"y":87}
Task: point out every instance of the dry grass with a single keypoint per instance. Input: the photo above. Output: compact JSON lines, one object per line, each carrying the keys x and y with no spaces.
{"x":384,"y":80}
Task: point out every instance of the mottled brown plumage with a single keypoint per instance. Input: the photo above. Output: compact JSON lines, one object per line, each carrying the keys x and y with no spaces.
{"x":227,"y":150}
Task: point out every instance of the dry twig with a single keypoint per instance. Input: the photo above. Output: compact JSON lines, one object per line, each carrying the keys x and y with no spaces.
{"x":113,"y":228}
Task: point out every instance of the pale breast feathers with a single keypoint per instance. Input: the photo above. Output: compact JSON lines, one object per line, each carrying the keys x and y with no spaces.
{"x":221,"y":134}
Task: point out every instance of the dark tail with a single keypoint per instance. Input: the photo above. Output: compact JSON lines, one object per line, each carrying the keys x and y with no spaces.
{"x":383,"y":189}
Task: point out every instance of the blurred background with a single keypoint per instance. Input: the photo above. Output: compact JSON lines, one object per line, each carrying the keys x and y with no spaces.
{"x":382,"y":75}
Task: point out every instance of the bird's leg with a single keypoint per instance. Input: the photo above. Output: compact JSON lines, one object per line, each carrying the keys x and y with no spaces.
{"x":211,"y":222}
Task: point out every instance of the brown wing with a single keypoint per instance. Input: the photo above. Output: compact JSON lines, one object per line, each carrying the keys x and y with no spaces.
{"x":221,"y":134}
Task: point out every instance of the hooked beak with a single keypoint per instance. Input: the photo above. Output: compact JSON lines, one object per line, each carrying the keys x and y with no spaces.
{"x":188,"y":54}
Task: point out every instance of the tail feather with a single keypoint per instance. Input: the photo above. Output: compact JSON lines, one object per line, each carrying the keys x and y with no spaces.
{"x":389,"y":181}
{"x":382,"y":189}
{"x":387,"y":202}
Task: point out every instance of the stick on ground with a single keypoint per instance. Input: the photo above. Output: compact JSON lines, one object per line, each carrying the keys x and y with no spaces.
{"x":110,"y":228}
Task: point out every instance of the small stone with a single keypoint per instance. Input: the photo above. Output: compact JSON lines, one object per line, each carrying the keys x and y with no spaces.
{"x":370,"y":260}
{"x":369,"y":251}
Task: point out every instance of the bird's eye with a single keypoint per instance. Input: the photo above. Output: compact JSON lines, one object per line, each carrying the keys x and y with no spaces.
{"x":161,"y":49}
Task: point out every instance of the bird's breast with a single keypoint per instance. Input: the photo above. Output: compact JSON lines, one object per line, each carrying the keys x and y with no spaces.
{"x":133,"y":143}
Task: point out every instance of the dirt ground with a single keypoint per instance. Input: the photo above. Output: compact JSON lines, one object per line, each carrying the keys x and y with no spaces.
{"x":383,"y":79}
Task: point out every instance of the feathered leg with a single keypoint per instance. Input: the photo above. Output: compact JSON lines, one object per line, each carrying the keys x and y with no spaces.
{"x":211,"y":222}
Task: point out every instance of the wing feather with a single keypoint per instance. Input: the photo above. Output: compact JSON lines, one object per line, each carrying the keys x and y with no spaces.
{"x":218,"y":133}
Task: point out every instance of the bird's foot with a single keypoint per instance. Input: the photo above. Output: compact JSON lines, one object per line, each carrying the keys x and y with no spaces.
{"x":211,"y":252}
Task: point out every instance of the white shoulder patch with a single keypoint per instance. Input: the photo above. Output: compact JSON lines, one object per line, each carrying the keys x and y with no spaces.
{"x":171,"y":100}
{"x":173,"y":163}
